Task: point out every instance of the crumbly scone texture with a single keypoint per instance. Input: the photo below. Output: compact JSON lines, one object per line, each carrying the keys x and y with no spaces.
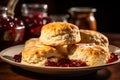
{"x":32,"y":42}
{"x":93,"y":55}
{"x":65,"y":40}
{"x":59,"y":33}
{"x":90,"y":36}
{"x":37,"y":56}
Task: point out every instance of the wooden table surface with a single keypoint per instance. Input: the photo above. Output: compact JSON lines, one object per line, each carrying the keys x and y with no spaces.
{"x":10,"y":72}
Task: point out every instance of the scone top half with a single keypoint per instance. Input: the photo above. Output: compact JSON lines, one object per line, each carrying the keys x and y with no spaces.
{"x":59,"y":33}
{"x":90,"y":36}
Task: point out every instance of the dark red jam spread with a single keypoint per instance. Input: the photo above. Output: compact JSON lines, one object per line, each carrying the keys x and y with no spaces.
{"x":66,"y":62}
{"x":17,"y":57}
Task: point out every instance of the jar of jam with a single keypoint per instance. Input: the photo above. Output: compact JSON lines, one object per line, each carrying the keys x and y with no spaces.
{"x":11,"y":29}
{"x":34,"y":17}
{"x":83,"y":17}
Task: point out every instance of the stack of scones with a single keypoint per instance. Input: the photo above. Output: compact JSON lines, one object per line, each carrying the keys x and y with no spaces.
{"x":60,"y":40}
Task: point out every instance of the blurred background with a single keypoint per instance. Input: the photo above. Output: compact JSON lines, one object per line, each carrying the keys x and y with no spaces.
{"x":107,"y":14}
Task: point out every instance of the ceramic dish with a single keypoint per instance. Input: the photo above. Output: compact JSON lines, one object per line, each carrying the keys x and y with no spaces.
{"x":7,"y":56}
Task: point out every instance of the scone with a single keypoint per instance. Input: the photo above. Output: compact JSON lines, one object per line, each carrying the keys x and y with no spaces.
{"x":32,"y":42}
{"x":91,"y":54}
{"x":90,"y":36}
{"x":59,"y":33}
{"x":37,"y":56}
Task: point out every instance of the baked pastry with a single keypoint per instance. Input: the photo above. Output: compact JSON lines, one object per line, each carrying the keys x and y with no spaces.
{"x":32,"y":42}
{"x":90,"y":36}
{"x":59,"y":33}
{"x":63,"y":49}
{"x":37,"y":56}
{"x":60,"y":41}
{"x":91,"y":54}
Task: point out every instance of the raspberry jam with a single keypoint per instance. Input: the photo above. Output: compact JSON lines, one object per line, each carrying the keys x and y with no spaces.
{"x":11,"y":29}
{"x":34,"y":17}
{"x":17,"y":57}
{"x":112,"y":58}
{"x":66,"y":62}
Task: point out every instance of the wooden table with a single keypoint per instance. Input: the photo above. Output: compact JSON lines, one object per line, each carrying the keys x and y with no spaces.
{"x":10,"y":72}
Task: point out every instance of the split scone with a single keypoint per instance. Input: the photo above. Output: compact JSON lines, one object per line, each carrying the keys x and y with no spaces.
{"x":90,"y":53}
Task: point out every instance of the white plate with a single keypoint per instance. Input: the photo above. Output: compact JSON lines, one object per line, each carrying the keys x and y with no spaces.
{"x":7,"y":55}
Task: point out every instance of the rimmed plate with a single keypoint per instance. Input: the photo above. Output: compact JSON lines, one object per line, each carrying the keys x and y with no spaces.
{"x":7,"y":56}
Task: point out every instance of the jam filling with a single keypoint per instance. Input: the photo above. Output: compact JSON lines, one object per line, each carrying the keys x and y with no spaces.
{"x":66,"y":62}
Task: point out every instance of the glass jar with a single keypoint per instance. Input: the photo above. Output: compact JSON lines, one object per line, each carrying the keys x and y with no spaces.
{"x":83,"y":17}
{"x":59,"y":17}
{"x":34,"y":17}
{"x":11,"y":29}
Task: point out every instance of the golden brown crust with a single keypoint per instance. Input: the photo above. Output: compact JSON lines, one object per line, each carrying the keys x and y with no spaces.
{"x":32,"y":42}
{"x":35,"y":55}
{"x":93,"y":55}
{"x":60,"y":40}
{"x":90,"y":36}
{"x":60,"y":33}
